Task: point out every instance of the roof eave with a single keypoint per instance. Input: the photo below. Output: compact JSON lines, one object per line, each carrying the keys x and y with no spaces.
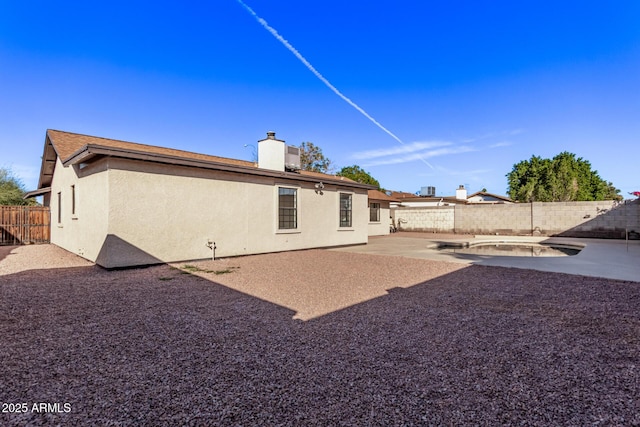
{"x":90,"y":151}
{"x":36,"y":193}
{"x":49,"y":157}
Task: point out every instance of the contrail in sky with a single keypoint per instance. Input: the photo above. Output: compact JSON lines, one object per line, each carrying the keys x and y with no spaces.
{"x":306,"y":63}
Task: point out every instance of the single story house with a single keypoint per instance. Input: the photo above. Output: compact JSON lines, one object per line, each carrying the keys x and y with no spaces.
{"x":409,"y":200}
{"x":380,"y":221}
{"x":482,"y":197}
{"x":122,"y":204}
{"x":460,"y":198}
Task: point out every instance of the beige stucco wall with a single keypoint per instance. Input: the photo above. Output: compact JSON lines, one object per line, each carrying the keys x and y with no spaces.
{"x":381,"y":228}
{"x":82,"y":233}
{"x":142,"y":213}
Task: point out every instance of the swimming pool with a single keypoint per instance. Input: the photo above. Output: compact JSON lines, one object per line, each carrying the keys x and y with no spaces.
{"x":514,"y":249}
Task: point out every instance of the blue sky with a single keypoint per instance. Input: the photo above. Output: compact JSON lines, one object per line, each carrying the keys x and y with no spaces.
{"x":459,"y":91}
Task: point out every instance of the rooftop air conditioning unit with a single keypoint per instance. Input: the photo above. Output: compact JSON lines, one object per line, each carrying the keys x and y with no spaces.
{"x":427,"y":191}
{"x":292,"y":158}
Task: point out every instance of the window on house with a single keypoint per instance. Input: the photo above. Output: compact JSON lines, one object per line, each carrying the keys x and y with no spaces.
{"x":345,"y":210}
{"x":374,"y":212}
{"x":59,"y":207}
{"x":287,"y":208}
{"x":73,"y":200}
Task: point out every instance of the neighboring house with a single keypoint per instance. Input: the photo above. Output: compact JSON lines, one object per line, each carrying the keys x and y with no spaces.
{"x":484,"y":197}
{"x":380,"y":220}
{"x":410,"y":200}
{"x":400,"y":195}
{"x":123,"y":204}
{"x":414,"y":201}
{"x":418,"y":202}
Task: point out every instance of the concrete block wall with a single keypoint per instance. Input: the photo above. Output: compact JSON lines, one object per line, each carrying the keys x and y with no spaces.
{"x":493,"y":219}
{"x":430,"y":219}
{"x":605,"y":219}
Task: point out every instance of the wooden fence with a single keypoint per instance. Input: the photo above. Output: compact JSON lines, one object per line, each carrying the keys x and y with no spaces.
{"x":24,"y":224}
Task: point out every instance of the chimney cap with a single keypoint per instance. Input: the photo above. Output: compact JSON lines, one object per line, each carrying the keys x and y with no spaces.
{"x":271,"y":135}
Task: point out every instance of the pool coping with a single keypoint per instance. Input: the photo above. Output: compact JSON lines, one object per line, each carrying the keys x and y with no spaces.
{"x":485,"y":240}
{"x":606,"y":258}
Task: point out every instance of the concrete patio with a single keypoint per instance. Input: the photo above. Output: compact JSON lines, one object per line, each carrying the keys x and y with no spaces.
{"x":607,"y":258}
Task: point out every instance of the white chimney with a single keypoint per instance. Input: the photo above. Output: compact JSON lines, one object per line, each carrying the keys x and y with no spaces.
{"x":271,"y":153}
{"x":461,"y":193}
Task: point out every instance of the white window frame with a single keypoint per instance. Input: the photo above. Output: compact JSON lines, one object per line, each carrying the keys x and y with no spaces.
{"x":378,"y":210}
{"x":340,"y":226}
{"x":297,"y":189}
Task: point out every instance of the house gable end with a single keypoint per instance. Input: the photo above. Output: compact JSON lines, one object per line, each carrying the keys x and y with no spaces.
{"x":47,"y":169}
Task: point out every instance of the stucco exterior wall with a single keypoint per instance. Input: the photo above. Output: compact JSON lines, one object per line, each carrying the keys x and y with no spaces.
{"x":162,"y":213}
{"x":84,"y":231}
{"x":381,"y":228}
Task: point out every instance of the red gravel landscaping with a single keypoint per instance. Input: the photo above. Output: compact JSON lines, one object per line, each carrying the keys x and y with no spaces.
{"x":448,"y":344}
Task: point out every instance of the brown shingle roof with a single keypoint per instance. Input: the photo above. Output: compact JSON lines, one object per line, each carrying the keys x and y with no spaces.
{"x":66,"y":144}
{"x":69,"y":145}
{"x":402,"y":195}
{"x":444,"y":199}
{"x":320,"y":175}
{"x":484,"y":193}
{"x":379,"y":195}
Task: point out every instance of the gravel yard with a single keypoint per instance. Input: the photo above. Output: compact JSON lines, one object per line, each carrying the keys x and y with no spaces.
{"x":313,"y":338}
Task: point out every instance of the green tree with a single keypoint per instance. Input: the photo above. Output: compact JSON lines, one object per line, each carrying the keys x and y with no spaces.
{"x":358,"y":174}
{"x":563,"y":178}
{"x":526,"y":180}
{"x":312,"y":159}
{"x":12,"y":190}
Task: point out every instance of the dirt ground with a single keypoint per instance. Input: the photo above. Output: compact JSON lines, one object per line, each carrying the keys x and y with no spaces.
{"x":313,"y":338}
